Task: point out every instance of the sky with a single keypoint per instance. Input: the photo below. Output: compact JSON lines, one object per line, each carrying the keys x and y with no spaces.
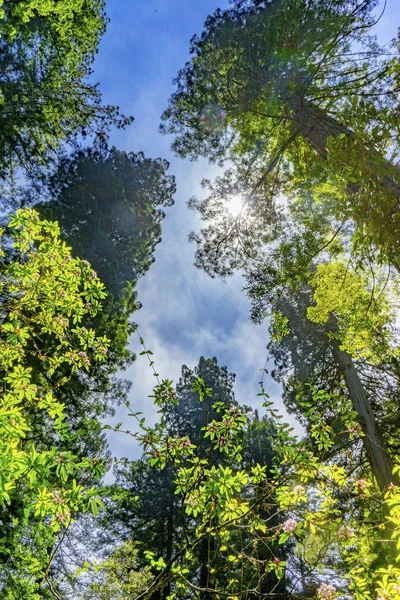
{"x":185,"y":314}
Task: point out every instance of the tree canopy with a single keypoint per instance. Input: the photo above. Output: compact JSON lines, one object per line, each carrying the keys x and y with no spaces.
{"x":109,"y":206}
{"x":47,"y":96}
{"x":299,"y":96}
{"x":299,"y":102}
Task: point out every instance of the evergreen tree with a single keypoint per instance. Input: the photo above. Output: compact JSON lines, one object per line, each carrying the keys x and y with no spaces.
{"x":298,"y":96}
{"x":158,"y":524}
{"x":46,"y":52}
{"x":109,"y":206}
{"x":310,"y":358}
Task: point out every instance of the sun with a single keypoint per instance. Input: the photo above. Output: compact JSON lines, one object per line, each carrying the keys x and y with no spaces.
{"x":235,"y":204}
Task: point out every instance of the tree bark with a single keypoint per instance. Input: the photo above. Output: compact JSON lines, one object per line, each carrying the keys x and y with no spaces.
{"x":316,"y":126}
{"x":375,"y":446}
{"x":204,"y":581}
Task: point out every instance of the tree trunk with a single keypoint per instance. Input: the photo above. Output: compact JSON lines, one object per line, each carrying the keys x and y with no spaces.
{"x":316,"y":126}
{"x":375,"y":446}
{"x":205,"y":575}
{"x":169,"y":546}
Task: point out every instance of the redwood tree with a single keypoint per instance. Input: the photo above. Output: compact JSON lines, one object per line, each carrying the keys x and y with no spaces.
{"x":298,"y":95}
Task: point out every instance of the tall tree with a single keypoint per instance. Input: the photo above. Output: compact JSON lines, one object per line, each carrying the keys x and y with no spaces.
{"x":297,"y":95}
{"x":159,"y":522}
{"x":156,"y":524}
{"x":109,"y":206}
{"x":258,"y":449}
{"x":46,"y":96}
{"x":107,"y":203}
{"x":330,"y":355}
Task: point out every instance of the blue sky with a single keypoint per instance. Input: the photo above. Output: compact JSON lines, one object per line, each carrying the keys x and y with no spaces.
{"x":185,"y":314}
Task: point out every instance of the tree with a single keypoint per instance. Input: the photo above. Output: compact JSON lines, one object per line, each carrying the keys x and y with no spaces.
{"x":109,"y":206}
{"x":46,"y":97}
{"x":298,"y":96}
{"x":107,"y":203}
{"x":259,"y":449}
{"x":223,"y":502}
{"x":45,"y":295}
{"x":188,"y":415}
{"x":158,"y":523}
{"x":358,"y":315}
{"x":338,"y":353}
{"x":120,"y":576}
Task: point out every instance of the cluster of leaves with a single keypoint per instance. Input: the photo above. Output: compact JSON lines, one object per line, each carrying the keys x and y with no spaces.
{"x":119,"y":575}
{"x":45,"y":295}
{"x":363,"y":313}
{"x":46,"y":96}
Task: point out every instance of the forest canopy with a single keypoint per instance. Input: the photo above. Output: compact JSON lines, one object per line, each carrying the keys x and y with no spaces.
{"x":216,"y":497}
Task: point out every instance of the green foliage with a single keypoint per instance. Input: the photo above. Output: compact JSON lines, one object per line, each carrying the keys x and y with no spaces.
{"x":77,"y":25}
{"x":279,"y":326}
{"x":361,"y":306}
{"x":354,"y":331}
{"x":109,"y":207}
{"x":282,"y":90}
{"x":242,"y":73}
{"x":222,"y":503}
{"x":196,"y":437}
{"x":119,"y":576}
{"x":46,"y":294}
{"x":46,"y":97}
{"x":225,"y":532}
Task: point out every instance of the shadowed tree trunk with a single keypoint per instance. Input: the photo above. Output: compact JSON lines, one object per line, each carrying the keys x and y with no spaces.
{"x":375,"y":446}
{"x":316,"y":126}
